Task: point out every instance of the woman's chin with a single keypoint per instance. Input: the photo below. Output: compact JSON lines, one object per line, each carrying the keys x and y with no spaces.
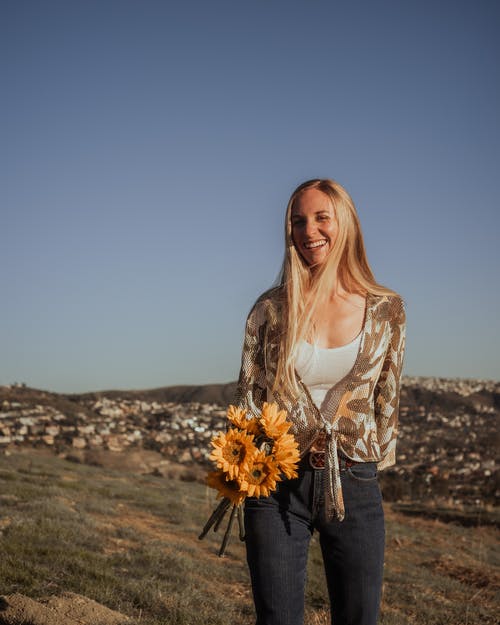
{"x":316,"y":259}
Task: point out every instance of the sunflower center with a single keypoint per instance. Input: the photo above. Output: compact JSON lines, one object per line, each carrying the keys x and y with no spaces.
{"x":234,"y":453}
{"x":258,"y":474}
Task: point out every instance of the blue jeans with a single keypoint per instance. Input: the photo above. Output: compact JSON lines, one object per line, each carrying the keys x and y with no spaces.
{"x":278,"y":531}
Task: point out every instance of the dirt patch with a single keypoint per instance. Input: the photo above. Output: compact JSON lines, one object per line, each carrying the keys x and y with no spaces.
{"x":152,"y":527}
{"x":66,"y":609}
{"x":483,"y":579}
{"x":144,"y":523}
{"x":139,"y":462}
{"x":469,"y":517}
{"x":4,"y":523}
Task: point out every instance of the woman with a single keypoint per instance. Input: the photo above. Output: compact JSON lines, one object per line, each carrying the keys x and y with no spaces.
{"x":327,"y":346}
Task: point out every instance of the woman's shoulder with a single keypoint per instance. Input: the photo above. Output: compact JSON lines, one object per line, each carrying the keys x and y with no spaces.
{"x":271,"y":297}
{"x":390,"y":306}
{"x":268,"y":305}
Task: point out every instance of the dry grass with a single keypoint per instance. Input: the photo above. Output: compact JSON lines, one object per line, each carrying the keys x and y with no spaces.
{"x":130,"y":542}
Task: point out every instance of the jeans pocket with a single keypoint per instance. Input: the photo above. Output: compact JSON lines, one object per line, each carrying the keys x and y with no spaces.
{"x":363,"y":472}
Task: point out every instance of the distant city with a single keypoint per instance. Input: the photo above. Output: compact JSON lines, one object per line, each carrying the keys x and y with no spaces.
{"x":446,"y":446}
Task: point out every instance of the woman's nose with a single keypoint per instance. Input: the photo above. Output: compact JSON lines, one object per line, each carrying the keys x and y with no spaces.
{"x":310,"y":228}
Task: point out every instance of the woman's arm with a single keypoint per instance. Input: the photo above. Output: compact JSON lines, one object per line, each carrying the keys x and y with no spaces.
{"x":251,"y":390}
{"x":387,"y":390}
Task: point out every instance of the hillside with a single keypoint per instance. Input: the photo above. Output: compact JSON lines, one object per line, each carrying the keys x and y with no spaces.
{"x":447,"y":443}
{"x":86,"y":545}
{"x":220,"y":394}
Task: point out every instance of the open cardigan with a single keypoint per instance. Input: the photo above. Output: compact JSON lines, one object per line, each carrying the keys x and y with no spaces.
{"x":359,"y":416}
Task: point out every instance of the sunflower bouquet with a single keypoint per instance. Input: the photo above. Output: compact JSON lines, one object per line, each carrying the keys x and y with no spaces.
{"x":251,"y":457}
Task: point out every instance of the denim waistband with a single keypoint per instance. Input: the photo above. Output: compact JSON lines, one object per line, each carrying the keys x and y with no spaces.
{"x":344,"y":463}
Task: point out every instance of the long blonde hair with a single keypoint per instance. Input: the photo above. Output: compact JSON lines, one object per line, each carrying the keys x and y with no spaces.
{"x":302,"y":289}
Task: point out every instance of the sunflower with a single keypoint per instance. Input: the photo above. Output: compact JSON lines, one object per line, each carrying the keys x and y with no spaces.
{"x":259,"y":478}
{"x":239,"y":418}
{"x":232,"y":450}
{"x":225,"y":488}
{"x":286,"y":454}
{"x":274,"y":421}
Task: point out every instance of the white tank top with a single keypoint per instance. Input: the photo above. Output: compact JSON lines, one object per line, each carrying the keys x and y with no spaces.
{"x":321,"y":368}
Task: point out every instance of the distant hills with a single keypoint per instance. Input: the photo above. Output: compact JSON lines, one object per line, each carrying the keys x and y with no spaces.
{"x":221,"y":394}
{"x":446,"y":393}
{"x":447,"y":442}
{"x":430,"y":392}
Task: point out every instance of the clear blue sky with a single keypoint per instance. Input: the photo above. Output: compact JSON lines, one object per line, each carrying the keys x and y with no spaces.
{"x":149,"y":149}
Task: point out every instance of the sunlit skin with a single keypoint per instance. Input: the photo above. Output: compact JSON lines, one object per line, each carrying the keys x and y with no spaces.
{"x":314,"y":226}
{"x":314,"y":232}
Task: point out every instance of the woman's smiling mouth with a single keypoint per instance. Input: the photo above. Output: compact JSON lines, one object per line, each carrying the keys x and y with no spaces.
{"x":314,"y":244}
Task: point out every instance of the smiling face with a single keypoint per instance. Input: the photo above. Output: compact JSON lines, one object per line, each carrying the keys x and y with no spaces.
{"x":314,"y":226}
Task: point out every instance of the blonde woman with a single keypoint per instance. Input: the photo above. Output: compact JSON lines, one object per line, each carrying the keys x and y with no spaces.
{"x":327,"y":345}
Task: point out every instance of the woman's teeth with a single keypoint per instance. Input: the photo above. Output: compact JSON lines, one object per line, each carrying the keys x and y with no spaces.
{"x":309,"y":246}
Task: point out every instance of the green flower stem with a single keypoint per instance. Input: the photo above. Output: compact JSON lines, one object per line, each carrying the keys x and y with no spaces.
{"x":215,"y":517}
{"x":225,"y":540}
{"x":227,"y":503}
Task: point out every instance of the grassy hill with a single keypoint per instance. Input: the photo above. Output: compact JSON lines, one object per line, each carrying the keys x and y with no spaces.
{"x":221,"y":394}
{"x":130,"y":542}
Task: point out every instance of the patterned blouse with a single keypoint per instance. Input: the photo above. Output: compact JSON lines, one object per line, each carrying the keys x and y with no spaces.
{"x":359,"y":416}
